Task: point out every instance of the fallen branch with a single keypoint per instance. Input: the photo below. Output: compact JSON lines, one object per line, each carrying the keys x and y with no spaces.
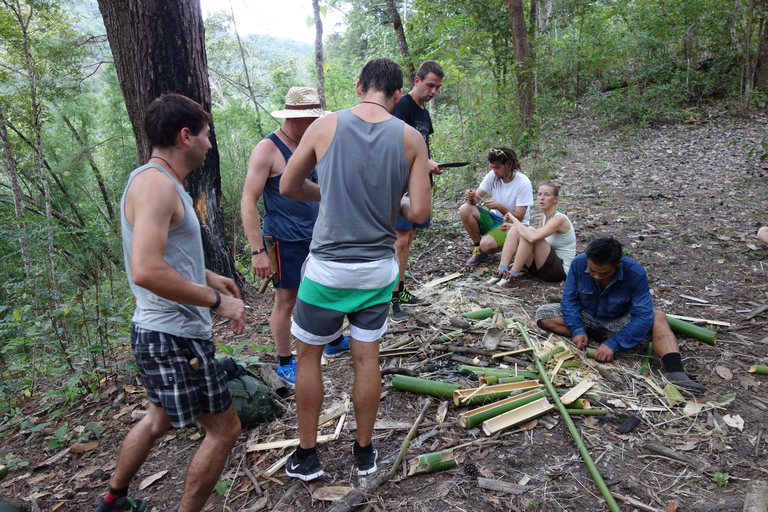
{"x":672,"y":454}
{"x":498,"y":485}
{"x":285,"y":501}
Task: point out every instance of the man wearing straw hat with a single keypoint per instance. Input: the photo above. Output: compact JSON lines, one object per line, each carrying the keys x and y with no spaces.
{"x":289,"y":222}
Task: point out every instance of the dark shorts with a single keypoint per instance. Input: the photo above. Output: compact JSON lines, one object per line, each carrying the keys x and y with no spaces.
{"x":171,"y":382}
{"x":552,"y":269}
{"x":404,"y":225}
{"x":290,"y":258}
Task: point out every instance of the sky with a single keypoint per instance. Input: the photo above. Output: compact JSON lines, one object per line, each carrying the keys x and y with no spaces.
{"x":278,"y":18}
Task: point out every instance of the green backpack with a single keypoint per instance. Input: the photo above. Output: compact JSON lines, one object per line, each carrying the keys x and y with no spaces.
{"x":255,"y":402}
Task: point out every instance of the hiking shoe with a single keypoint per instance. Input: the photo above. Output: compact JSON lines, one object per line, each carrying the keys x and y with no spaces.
{"x":365,"y":461}
{"x":507,"y":280}
{"x":477,"y":256}
{"x":124,"y":504}
{"x":682,"y":380}
{"x":341,"y":348}
{"x":307,"y":469}
{"x":287,"y":372}
{"x":395,"y":313}
{"x":408,"y":299}
{"x":495,"y":277}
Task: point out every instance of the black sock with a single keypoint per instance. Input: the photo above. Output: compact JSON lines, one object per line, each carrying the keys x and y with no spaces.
{"x":673,"y":362}
{"x":362,"y":449}
{"x":335,"y":343}
{"x":284,"y":360}
{"x":303,"y":453}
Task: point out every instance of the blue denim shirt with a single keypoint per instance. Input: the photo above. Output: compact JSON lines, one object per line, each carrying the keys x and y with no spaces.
{"x":627,"y":292}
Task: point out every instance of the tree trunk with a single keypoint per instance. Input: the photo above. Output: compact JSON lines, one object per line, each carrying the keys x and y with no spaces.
{"x":319,"y":71}
{"x":410,"y":72}
{"x":761,"y":67}
{"x":18,"y":207}
{"x":159,"y":47}
{"x":523,"y":68}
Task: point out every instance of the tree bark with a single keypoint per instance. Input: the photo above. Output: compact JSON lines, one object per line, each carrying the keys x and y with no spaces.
{"x":159,"y":47}
{"x":523,"y":68}
{"x":410,"y":71}
{"x":761,"y":67}
{"x":319,"y":71}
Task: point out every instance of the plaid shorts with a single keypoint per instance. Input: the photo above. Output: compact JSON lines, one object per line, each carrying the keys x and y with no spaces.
{"x":171,"y":382}
{"x":597,"y":329}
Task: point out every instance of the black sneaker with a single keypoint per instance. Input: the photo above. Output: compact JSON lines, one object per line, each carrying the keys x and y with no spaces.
{"x":407,"y":299}
{"x":124,"y":504}
{"x":307,"y":469}
{"x":395,"y":313}
{"x":365,"y":461}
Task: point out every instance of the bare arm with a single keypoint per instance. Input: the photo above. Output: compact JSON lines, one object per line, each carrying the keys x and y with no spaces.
{"x":474,"y":196}
{"x":417,"y":206}
{"x":294,"y":184}
{"x":259,"y":166}
{"x":533,"y":235}
{"x":154,"y":204}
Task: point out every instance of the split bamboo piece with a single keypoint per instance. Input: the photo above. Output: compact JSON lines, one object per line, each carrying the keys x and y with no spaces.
{"x":430,"y":462}
{"x":475,"y":417}
{"x":517,"y":416}
{"x":694,"y":331}
{"x":286,"y":443}
{"x":576,"y":392}
{"x":498,"y":372}
{"x":762,"y":370}
{"x":673,"y":395}
{"x":596,"y":476}
{"x":490,"y":380}
{"x":581,"y":403}
{"x":587,"y":412}
{"x":511,"y":353}
{"x":489,"y":393}
{"x":548,"y":355}
{"x":424,"y":386}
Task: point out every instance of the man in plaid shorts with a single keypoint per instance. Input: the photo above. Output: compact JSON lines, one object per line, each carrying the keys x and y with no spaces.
{"x":171,"y":335}
{"x":606,"y":299}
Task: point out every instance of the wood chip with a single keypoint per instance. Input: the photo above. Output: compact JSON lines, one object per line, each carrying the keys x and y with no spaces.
{"x":498,"y":485}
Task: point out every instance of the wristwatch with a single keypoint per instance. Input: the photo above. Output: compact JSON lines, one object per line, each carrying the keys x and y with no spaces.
{"x":259,"y":251}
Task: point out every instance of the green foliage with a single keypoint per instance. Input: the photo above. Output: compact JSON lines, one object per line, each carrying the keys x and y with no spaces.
{"x":222,"y":486}
{"x":721,"y":479}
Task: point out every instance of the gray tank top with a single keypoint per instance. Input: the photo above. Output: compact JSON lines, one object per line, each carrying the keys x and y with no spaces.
{"x":362,"y":177}
{"x":183,"y":252}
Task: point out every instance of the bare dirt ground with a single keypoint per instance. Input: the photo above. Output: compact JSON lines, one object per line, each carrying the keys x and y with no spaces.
{"x":684,"y":201}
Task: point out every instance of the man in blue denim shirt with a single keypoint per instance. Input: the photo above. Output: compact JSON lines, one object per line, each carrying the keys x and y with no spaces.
{"x":606,"y":298}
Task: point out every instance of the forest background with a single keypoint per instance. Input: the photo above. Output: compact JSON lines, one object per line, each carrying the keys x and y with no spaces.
{"x":512,"y":69}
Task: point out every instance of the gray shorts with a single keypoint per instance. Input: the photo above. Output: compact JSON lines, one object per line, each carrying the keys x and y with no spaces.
{"x":598,"y":329}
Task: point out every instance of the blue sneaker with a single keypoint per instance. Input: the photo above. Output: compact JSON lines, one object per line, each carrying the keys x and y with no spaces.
{"x":341,"y":348}
{"x":287,"y":372}
{"x":477,"y":257}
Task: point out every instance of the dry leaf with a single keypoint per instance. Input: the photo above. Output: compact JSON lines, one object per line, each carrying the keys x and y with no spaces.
{"x":724,"y":372}
{"x":692,"y":407}
{"x":151,"y":479}
{"x":734,"y":421}
{"x":84,"y":447}
{"x":331,"y":493}
{"x":616,"y":402}
{"x":530,"y":425}
{"x":671,"y":506}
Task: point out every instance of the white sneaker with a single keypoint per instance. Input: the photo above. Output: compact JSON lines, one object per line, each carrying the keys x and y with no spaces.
{"x":507,"y":280}
{"x":495,"y":276}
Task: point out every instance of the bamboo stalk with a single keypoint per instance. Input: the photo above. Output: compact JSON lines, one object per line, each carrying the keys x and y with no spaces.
{"x":490,"y":393}
{"x":477,"y":416}
{"x":498,"y":372}
{"x":571,"y":427}
{"x":424,"y":386}
{"x":517,"y":416}
{"x":762,"y":370}
{"x":478,"y":314}
{"x":644,"y":368}
{"x":587,"y":412}
{"x":694,"y":331}
{"x":490,"y":380}
{"x":431,"y":462}
{"x":581,"y":403}
{"x":548,"y":355}
{"x":590,"y":352}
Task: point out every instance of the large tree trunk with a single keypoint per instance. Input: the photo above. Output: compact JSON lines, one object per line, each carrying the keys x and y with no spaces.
{"x":761,"y":67}
{"x":523,"y":68}
{"x":319,"y":71}
{"x":159,"y":47}
{"x":410,"y":72}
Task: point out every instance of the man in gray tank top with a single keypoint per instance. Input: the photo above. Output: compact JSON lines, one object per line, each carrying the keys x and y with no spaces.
{"x":171,"y":336}
{"x":366,"y":160}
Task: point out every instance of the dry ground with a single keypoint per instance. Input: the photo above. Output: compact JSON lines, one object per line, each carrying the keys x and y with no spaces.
{"x":686,"y":204}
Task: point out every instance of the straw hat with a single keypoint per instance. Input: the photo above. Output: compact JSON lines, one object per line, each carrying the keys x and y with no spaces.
{"x":301,"y":102}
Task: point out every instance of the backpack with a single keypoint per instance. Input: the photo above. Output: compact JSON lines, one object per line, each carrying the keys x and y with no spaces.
{"x":255,"y":402}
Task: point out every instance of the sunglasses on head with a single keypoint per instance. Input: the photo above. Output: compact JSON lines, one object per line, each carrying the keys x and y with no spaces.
{"x":499,"y":152}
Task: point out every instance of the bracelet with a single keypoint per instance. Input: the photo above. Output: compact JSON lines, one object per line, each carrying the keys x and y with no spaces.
{"x":254,"y":253}
{"x":218,"y":300}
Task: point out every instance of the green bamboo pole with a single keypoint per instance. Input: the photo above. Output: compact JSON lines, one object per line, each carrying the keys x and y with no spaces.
{"x":497,"y":372}
{"x":644,"y":367}
{"x":571,"y":427}
{"x":431,"y":462}
{"x":762,"y":370}
{"x":694,"y":331}
{"x":478,"y":314}
{"x":490,"y":380}
{"x":424,"y":386}
{"x":590,"y":352}
{"x":587,"y":412}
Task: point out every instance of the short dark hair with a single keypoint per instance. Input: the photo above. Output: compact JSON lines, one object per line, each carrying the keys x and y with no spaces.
{"x":427,"y":67}
{"x":169,"y":114}
{"x":605,"y":249}
{"x":502,"y":155}
{"x":382,"y":74}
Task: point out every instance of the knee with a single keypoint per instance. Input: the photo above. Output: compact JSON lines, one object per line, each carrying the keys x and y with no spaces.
{"x":466,"y":210}
{"x":488,"y":244}
{"x":403,"y":241}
